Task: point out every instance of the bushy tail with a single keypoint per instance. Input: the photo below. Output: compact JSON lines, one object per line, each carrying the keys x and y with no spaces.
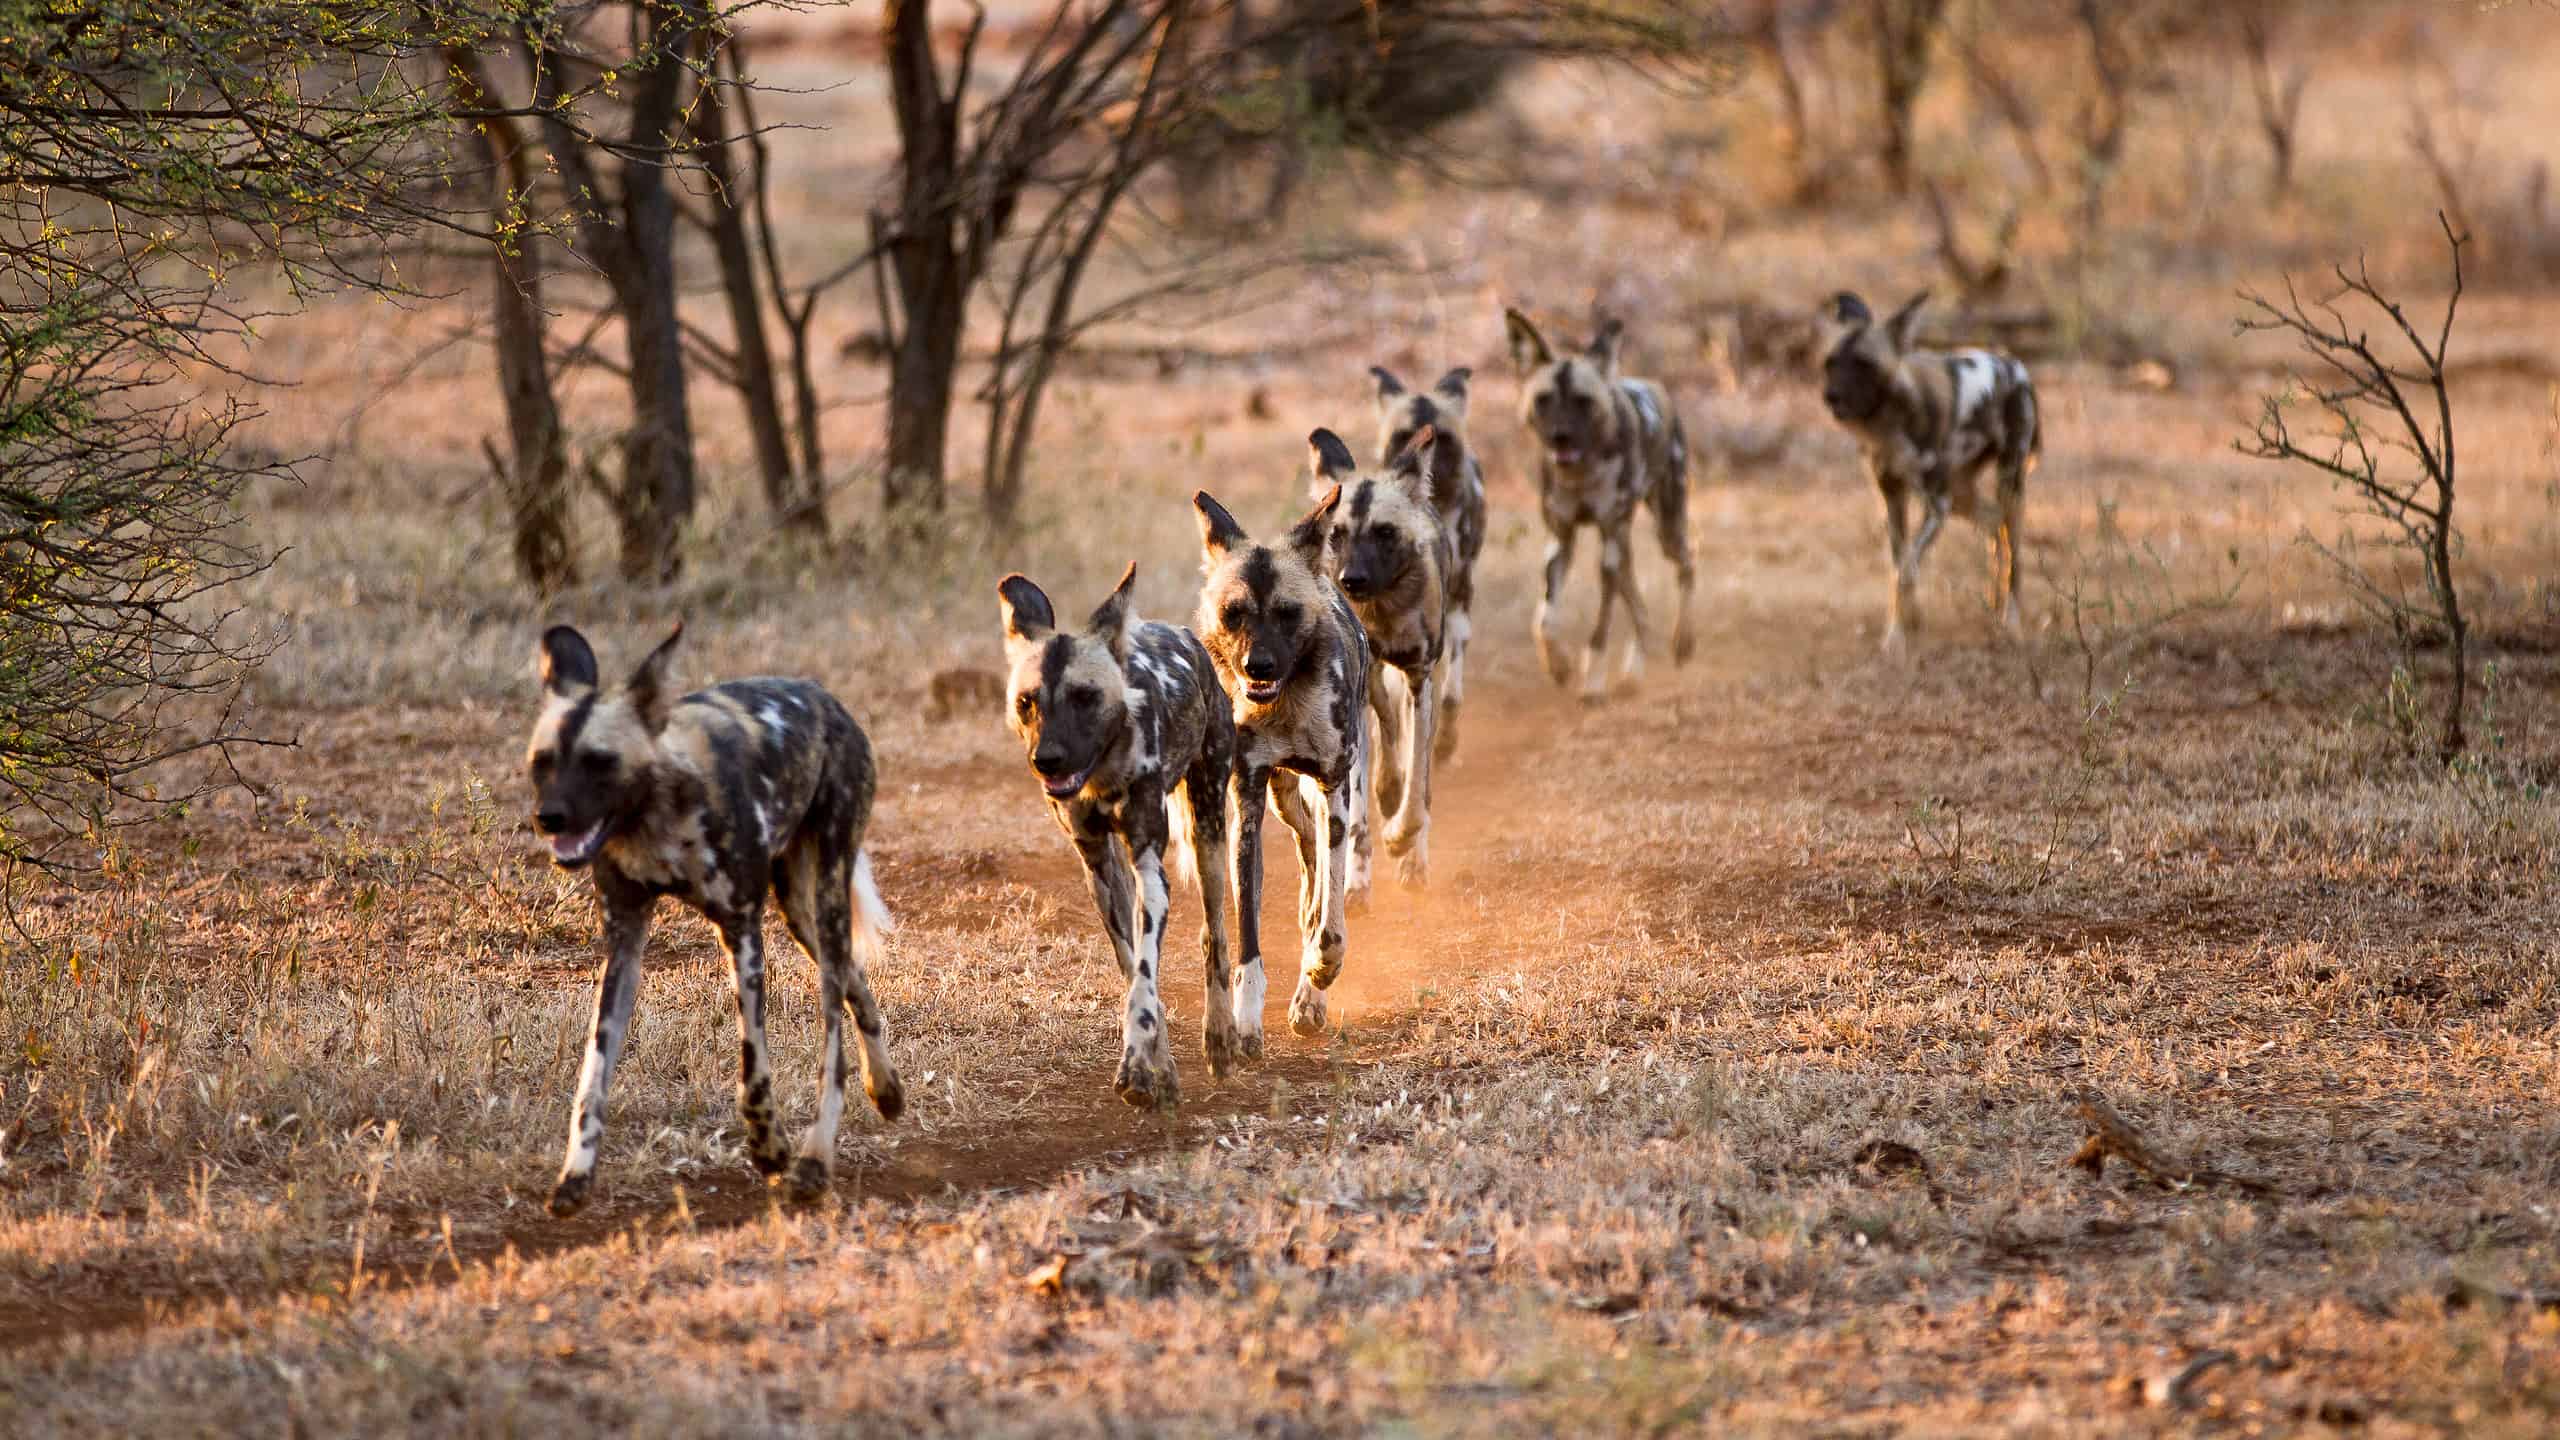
{"x":1182,"y":833}
{"x":871,"y":919}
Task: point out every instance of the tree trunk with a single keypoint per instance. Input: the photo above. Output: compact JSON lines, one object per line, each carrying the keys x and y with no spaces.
{"x":538,"y":481}
{"x":658,"y":456}
{"x":792,"y":495}
{"x":926,"y":258}
{"x":1903,"y":31}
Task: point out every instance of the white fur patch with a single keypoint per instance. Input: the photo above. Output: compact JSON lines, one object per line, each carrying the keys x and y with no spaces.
{"x":1977,"y":376}
{"x":1182,"y":834}
{"x":871,"y":917}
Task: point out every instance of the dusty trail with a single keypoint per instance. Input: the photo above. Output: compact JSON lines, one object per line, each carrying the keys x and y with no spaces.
{"x":1473,"y":918}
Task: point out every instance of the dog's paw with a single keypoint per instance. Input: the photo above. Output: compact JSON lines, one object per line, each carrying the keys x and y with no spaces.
{"x":1413,"y":869}
{"x":1145,"y":1081}
{"x":570,"y":1195}
{"x":888,"y":1096}
{"x":1306,"y":1010}
{"x":1220,"y":1043}
{"x":809,"y":1181}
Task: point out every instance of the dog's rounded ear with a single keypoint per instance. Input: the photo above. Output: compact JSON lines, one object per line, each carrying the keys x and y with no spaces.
{"x":1453,"y":386}
{"x":1329,"y":459}
{"x":1025,"y":610}
{"x":1848,"y":309}
{"x":1389,"y":387}
{"x":1904,"y":327}
{"x":1312,"y":536}
{"x":564,"y":660}
{"x":1412,"y":465}
{"x":649,"y":690}
{"x":1605,"y":345}
{"x":1116,"y":616}
{"x":1219,"y":532}
{"x":1528,"y":348}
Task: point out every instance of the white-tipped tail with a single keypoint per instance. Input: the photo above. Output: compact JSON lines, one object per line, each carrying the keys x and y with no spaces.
{"x":1181,"y":834}
{"x":871,"y":918}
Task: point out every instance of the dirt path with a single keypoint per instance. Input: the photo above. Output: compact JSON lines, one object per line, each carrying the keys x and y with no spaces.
{"x":1475,"y":916}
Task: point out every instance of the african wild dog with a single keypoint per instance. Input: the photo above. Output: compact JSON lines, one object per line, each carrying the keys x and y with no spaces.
{"x":1457,"y":492}
{"x":1934,"y":420}
{"x":1608,"y":444}
{"x":1390,"y":555}
{"x":1132,"y":741}
{"x":1296,"y":667}
{"x":714,"y":799}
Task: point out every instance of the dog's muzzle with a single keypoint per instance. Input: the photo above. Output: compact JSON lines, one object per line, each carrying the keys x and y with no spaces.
{"x":573,"y":848}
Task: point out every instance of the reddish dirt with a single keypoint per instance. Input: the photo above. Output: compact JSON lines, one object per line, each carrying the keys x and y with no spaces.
{"x":1469,"y":920}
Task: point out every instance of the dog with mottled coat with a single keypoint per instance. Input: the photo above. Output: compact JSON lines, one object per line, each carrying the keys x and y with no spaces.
{"x":1608,"y":444}
{"x":1932,"y":422}
{"x":1457,"y":493}
{"x":1392,"y":558}
{"x":716,"y":798}
{"x":1133,"y":744}
{"x":1295,"y":665}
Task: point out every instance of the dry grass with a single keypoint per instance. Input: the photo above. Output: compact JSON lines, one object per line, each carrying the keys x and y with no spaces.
{"x":1725,"y":1082}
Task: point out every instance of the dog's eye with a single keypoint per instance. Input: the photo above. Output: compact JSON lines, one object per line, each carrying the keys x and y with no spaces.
{"x":543,"y":761}
{"x":1287,"y":615}
{"x":596,"y":762}
{"x":1084,"y":699}
{"x":1233,"y":617}
{"x":1024,"y":707}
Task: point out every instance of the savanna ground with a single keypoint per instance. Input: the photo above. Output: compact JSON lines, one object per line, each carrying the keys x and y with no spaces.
{"x":1725,"y":1077}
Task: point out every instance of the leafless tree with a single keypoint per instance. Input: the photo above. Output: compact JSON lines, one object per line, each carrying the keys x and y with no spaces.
{"x":1019,"y":194}
{"x":2279,"y":92}
{"x":536,"y":479}
{"x":2375,"y":405}
{"x":1904,"y":32}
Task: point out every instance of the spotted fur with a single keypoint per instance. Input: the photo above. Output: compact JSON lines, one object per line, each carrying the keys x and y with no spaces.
{"x":1457,"y":493}
{"x":1133,"y":743}
{"x":1608,"y":443}
{"x":1933,"y":421}
{"x":1295,"y":666}
{"x":715,"y":798}
{"x":1392,"y":557}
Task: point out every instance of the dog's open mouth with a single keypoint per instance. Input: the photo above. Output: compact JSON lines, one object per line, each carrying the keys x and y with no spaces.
{"x":1566,"y":454}
{"x":1062,"y":786}
{"x":576,"y":848}
{"x":1262,"y":692}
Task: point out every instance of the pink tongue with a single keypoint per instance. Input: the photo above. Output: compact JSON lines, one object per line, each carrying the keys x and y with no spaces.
{"x":565,"y":846}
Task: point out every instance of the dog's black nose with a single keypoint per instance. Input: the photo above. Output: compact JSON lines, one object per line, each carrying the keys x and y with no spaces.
{"x":1049,"y":760}
{"x":1261,"y":667}
{"x":551,"y":822}
{"x":1358,"y":581}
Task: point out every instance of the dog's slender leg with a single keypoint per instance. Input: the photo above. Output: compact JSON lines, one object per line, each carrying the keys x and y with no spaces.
{"x":1386,"y":740}
{"x":1671,"y":530}
{"x":1898,"y":609}
{"x":801,"y":882}
{"x":1113,"y":895}
{"x":1453,"y":686}
{"x":1559,"y":563}
{"x":2004,"y":560}
{"x":1146,"y":1076}
{"x":1321,"y":962}
{"x":1245,"y":795}
{"x":1631,"y":594}
{"x":1206,"y":795}
{"x":1409,"y":840}
{"x":626,"y":938}
{"x":1933,"y":518}
{"x":1289,"y":795}
{"x":870,"y":920}
{"x":1617,"y":584}
{"x":742,"y":935}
